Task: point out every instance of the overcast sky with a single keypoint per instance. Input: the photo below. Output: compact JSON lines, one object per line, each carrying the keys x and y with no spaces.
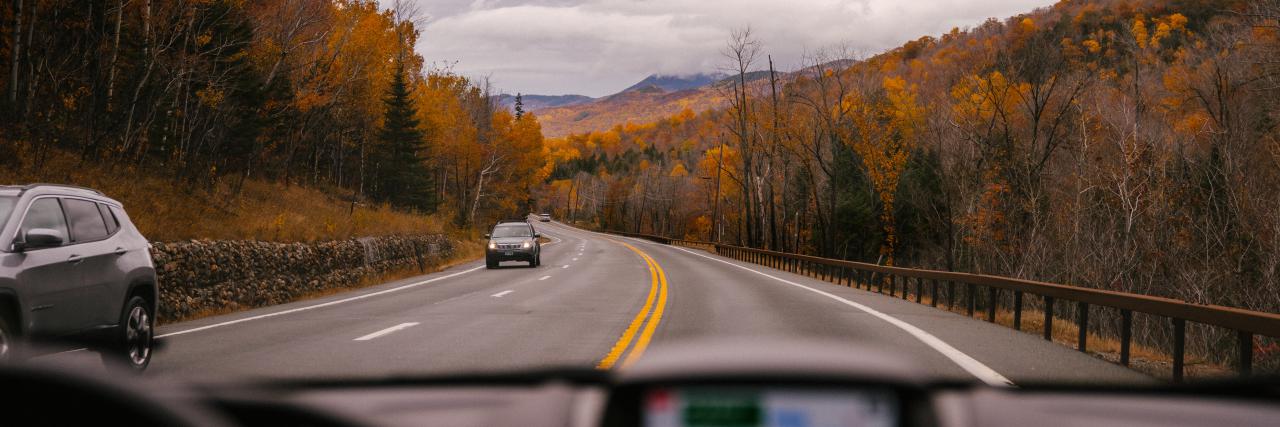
{"x":598,"y":47}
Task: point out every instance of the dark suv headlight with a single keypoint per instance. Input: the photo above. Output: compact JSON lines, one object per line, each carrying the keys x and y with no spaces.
{"x":527,"y":244}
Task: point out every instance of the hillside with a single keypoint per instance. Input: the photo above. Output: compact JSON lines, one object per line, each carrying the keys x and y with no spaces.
{"x":540,"y":102}
{"x":651,"y":99}
{"x":307,"y":133}
{"x":670,"y":83}
{"x":167,"y":211}
{"x":1122,"y":145}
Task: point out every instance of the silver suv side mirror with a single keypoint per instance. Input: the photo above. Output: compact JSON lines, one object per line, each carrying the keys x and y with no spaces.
{"x":37,"y":238}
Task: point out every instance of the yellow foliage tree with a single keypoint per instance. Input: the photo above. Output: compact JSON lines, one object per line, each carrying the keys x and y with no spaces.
{"x":886,"y":126}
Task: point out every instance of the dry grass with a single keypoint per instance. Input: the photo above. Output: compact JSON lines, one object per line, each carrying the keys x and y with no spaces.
{"x":164,"y":210}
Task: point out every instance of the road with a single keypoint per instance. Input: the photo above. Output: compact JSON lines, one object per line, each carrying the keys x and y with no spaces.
{"x":601,"y":301}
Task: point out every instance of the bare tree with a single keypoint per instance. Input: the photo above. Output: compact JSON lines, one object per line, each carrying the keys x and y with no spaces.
{"x":740,"y":54}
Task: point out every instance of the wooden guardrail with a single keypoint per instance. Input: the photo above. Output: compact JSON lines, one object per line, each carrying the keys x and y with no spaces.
{"x":1245,"y":323}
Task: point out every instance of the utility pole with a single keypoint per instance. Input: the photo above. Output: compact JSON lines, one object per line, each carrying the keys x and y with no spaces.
{"x":716,"y":225}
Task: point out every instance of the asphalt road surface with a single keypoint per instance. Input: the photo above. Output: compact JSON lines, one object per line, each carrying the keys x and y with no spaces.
{"x":597,"y":300}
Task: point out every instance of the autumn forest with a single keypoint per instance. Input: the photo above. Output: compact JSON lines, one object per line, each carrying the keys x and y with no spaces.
{"x":213,"y":93}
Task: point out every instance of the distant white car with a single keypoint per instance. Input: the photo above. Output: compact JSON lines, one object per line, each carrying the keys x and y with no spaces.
{"x":544,"y":217}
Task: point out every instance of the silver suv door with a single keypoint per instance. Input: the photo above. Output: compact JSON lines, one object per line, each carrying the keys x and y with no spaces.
{"x":104,"y":280}
{"x":50,"y":277}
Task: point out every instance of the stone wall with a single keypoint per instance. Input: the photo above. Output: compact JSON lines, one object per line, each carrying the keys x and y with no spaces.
{"x":203,"y":276}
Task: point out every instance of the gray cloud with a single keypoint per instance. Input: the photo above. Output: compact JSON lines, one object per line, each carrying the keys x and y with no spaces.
{"x":597,"y":47}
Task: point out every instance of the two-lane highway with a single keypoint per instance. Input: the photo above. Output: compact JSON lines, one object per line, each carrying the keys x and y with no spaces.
{"x":597,"y":301}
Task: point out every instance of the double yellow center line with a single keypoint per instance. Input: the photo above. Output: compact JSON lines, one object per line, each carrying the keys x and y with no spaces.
{"x":650,"y":311}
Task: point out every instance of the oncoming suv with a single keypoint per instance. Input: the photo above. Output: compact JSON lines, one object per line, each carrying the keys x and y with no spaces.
{"x":513,"y":241}
{"x":73,"y":267}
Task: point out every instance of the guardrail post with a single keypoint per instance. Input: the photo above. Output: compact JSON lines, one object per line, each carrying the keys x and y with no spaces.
{"x":919,"y":290}
{"x":1126,"y":335}
{"x":1082,"y":320}
{"x":934,"y":302}
{"x":879,"y":284}
{"x":1017,"y":310}
{"x":1245,"y":342}
{"x":951,"y":294}
{"x":973,"y":297}
{"x":893,"y":285}
{"x":993,"y":295}
{"x":1048,"y":318}
{"x":1179,"y":347}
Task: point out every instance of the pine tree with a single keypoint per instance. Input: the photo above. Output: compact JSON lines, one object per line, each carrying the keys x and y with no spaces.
{"x":402,"y":176}
{"x":519,"y":106}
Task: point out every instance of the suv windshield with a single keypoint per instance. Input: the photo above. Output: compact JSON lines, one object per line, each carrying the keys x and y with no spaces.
{"x":511,"y":231}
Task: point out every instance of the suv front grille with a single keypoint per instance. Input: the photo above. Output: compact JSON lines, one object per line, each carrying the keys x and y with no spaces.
{"x":508,"y":246}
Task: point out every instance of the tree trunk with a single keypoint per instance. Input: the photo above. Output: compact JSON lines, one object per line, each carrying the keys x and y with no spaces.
{"x":16,"y":42}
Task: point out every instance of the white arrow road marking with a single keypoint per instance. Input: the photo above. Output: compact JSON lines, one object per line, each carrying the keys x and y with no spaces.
{"x":387,"y":331}
{"x":501,"y":294}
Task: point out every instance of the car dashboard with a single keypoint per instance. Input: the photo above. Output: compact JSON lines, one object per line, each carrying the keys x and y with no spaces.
{"x":701,"y":385}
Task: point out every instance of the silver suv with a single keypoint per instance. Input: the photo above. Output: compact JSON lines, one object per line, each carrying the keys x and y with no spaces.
{"x":513,"y":241}
{"x":74,"y":268}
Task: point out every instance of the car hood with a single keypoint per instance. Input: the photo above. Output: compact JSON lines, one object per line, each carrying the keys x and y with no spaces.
{"x":510,"y":239}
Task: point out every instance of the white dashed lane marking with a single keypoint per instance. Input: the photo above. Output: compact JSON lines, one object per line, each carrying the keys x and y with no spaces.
{"x":387,"y":331}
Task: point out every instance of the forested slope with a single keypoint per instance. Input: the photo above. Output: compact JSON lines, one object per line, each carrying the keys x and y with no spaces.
{"x":1120,"y":144}
{"x":216,"y":96}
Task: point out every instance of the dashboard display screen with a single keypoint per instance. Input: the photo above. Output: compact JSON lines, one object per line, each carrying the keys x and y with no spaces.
{"x":751,"y":407}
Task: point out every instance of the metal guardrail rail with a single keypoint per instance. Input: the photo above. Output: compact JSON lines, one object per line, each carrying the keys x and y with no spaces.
{"x":1245,"y":323}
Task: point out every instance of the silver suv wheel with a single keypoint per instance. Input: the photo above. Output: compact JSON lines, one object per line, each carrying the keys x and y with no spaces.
{"x":6,"y":341}
{"x":138,"y":336}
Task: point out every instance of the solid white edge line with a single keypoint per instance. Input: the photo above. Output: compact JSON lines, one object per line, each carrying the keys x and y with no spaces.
{"x":969,"y":364}
{"x":544,"y":278}
{"x":387,"y":331}
{"x":501,"y":294}
{"x":310,"y":307}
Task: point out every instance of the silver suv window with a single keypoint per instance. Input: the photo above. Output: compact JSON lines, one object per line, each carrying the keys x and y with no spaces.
{"x":512,"y":231}
{"x":45,"y":213}
{"x":6,"y":207}
{"x":86,"y":220}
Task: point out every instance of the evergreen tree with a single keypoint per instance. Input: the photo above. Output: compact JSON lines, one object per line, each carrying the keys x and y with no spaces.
{"x":402,"y":176}
{"x":519,"y":106}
